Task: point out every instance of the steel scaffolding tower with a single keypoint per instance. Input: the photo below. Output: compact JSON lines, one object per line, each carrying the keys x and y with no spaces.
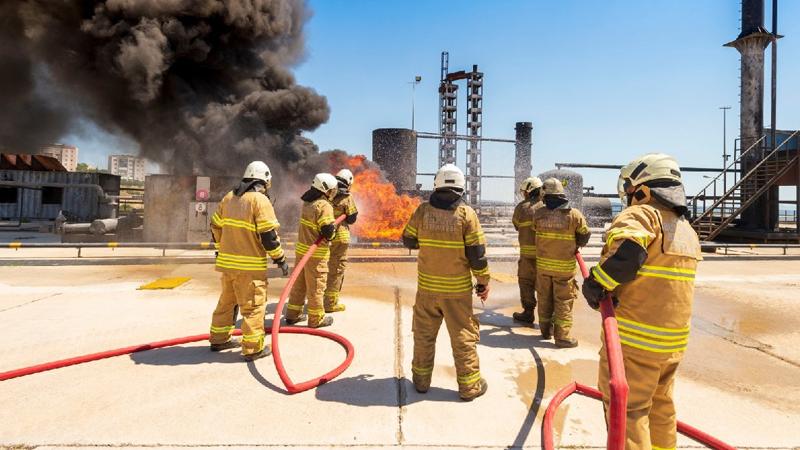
{"x":474,"y":125}
{"x":447,"y":115}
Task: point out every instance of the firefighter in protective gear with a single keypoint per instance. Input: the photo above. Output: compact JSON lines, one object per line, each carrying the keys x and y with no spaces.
{"x":343,"y":203}
{"x":648,"y":264}
{"x":316,"y":219}
{"x":531,"y":190}
{"x":246,"y":230}
{"x":560,"y":230}
{"x":451,"y":251}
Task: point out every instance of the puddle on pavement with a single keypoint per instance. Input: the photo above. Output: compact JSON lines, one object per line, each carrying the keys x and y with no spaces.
{"x":557,"y":375}
{"x":741,"y":311}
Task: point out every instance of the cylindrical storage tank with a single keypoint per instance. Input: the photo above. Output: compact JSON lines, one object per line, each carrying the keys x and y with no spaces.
{"x":597,"y":210}
{"x":395,"y":151}
{"x":573,"y":185}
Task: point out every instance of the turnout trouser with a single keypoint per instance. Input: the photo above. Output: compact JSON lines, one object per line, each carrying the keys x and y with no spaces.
{"x":310,"y":285}
{"x":651,"y":420}
{"x":463,"y":328}
{"x":556,"y":295}
{"x":526,"y":272}
{"x":336,"y":267}
{"x":250,"y":293}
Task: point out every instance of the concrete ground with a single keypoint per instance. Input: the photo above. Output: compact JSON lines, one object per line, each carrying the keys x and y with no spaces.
{"x":740,"y":380}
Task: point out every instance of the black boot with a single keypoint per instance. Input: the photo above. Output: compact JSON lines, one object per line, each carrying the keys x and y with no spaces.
{"x":266,"y":351}
{"x":526,"y":316}
{"x":484,"y":387}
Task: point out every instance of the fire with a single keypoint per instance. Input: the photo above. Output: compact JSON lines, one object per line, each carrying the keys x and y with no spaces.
{"x":382,"y":211}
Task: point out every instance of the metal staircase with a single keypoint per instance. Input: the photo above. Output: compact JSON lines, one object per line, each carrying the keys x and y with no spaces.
{"x":710,"y":221}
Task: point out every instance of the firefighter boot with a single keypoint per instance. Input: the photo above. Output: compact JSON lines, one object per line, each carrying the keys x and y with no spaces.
{"x":546,"y":329}
{"x":563,"y":339}
{"x":266,"y":351}
{"x":231,"y":343}
{"x":526,"y":316}
{"x":484,"y":387}
{"x":300,"y":318}
{"x":325,"y":322}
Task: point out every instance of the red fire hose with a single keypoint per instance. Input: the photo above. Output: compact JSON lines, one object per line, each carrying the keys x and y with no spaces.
{"x":618,"y":389}
{"x":274,"y":330}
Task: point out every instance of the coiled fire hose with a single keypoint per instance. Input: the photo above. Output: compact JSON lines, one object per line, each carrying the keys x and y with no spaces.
{"x":618,"y":388}
{"x":291,"y":387}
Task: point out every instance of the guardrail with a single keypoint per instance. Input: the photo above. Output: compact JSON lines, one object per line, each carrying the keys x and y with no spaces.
{"x":164,"y":246}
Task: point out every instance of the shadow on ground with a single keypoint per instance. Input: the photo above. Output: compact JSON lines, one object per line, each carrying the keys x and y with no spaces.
{"x":364,"y":390}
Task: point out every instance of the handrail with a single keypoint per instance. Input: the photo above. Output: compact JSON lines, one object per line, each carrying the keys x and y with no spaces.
{"x":724,"y":170}
{"x":743,"y":179}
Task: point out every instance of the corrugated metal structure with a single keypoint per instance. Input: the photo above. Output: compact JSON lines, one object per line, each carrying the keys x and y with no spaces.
{"x":33,"y":199}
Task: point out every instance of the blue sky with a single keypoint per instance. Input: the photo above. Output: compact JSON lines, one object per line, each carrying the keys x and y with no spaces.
{"x":601,"y":81}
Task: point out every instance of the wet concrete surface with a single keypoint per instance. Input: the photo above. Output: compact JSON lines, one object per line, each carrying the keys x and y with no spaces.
{"x":740,"y":380}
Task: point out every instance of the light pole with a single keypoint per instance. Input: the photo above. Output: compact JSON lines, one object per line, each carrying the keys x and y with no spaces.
{"x":724,"y":147}
{"x":413,"y":84}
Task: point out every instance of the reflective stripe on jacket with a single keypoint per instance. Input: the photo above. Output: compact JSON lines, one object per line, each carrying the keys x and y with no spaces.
{"x":343,"y":204}
{"x":237,"y":224}
{"x":313,"y":216}
{"x":556,"y":231}
{"x":444,"y":236}
{"x":655,"y":308}
{"x":523,"y":221}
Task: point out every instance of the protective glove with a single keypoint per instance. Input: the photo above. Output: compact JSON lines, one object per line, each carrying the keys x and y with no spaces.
{"x":482,"y":290}
{"x":593,"y":292}
{"x":283,"y":265}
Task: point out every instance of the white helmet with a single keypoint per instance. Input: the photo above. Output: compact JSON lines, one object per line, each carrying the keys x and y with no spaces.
{"x":345,"y":176}
{"x":324,"y":182}
{"x":530,"y":184}
{"x":649,"y":167}
{"x":258,"y":170}
{"x":449,"y":176}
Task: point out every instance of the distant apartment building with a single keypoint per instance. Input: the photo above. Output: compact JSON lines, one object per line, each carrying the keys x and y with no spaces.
{"x":128,"y":167}
{"x":67,"y":155}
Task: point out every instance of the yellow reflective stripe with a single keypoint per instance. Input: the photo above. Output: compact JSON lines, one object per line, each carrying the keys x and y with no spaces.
{"x":228,"y":265}
{"x":332,"y":294}
{"x":14,"y":244}
{"x":316,"y":312}
{"x":292,"y":307}
{"x":411,"y":231}
{"x":526,"y":223}
{"x":440,"y":244}
{"x":247,"y":258}
{"x":561,"y":322}
{"x":435,"y":283}
{"x":267,"y":225}
{"x":351,"y":209}
{"x":604,"y":279}
{"x":472,"y":378}
{"x":221,"y":329}
{"x":276,"y":254}
{"x":257,"y":337}
{"x":528,"y":250}
{"x":236,"y":223}
{"x":583,"y":230}
{"x":640,"y":237}
{"x":445,"y":278}
{"x":325,"y":220}
{"x":473,"y":238}
{"x":563,"y":263}
{"x":669,"y":273}
{"x":216,"y":219}
{"x":422,"y":371}
{"x":309,"y":224}
{"x":652,"y":330}
{"x":651,"y":346}
{"x":555,"y":236}
{"x":321,"y":252}
{"x":661,"y":448}
{"x":480,"y":272}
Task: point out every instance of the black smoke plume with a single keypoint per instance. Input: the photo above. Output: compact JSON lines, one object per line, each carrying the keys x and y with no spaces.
{"x":201,"y":85}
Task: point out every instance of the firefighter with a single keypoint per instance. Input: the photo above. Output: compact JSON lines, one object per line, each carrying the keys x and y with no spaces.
{"x":316,"y":219}
{"x":531,"y":190}
{"x":560,"y":230}
{"x":343,"y":203}
{"x":246,"y":231}
{"x":648,"y":264}
{"x":451,"y":251}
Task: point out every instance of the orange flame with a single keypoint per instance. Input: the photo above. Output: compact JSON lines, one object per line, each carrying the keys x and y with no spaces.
{"x":382,"y":211}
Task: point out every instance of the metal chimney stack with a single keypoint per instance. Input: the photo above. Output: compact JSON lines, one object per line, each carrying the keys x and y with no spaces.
{"x":522,"y":157}
{"x":751,"y":43}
